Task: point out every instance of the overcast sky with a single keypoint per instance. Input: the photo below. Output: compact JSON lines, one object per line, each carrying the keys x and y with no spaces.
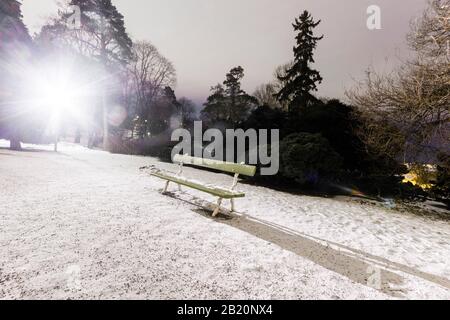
{"x":206,"y":38}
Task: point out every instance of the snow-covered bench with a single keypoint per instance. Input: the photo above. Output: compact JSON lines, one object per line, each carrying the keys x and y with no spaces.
{"x":220,"y":192}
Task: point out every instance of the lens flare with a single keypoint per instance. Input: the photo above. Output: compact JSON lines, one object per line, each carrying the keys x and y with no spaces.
{"x":59,"y":92}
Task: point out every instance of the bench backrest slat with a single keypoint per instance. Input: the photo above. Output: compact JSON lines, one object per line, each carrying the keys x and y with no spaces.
{"x":231,"y":167}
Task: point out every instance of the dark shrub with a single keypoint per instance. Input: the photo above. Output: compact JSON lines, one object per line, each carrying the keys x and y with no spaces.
{"x":442,"y":188}
{"x":308,"y":159}
{"x":161,"y":149}
{"x":265,"y":117}
{"x":389,"y":186}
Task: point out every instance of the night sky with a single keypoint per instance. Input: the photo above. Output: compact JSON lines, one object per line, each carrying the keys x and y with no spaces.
{"x":206,"y":38}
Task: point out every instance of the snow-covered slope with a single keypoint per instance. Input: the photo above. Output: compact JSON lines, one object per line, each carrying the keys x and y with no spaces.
{"x":88,"y":224}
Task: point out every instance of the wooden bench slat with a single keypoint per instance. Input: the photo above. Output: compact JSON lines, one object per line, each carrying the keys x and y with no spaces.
{"x":230,"y":167}
{"x":216,"y":191}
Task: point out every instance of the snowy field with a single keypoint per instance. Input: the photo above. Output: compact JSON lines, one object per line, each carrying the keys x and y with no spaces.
{"x":88,"y":224}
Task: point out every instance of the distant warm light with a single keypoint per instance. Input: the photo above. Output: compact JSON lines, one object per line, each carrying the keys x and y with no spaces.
{"x":423,"y":176}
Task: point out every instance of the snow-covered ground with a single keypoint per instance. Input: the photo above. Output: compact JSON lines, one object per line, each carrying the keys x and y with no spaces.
{"x":88,"y":224}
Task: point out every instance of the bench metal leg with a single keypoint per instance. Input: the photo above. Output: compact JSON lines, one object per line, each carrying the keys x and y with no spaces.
{"x":216,"y":211}
{"x":232,"y":205}
{"x":179,"y":187}
{"x":166,"y":187}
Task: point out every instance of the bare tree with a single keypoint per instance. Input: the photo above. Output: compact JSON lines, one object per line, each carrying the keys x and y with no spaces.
{"x":149,"y":72}
{"x":281,"y":72}
{"x":409,"y":109}
{"x":266,"y":93}
{"x":430,"y":34}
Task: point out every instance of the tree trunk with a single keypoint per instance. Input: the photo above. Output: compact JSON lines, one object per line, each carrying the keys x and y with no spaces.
{"x":56,"y":144}
{"x":14,"y":144}
{"x":78,"y":136}
{"x":104,"y":58}
{"x":105,"y":123}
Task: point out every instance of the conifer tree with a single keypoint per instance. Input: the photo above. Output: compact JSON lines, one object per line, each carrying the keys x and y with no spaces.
{"x":301,"y":79}
{"x":229,"y":103}
{"x":15,"y":42}
{"x":12,"y":27}
{"x":101,"y":35}
{"x":215,"y":105}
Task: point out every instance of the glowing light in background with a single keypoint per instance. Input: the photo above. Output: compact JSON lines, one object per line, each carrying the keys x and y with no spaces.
{"x":58,"y":91}
{"x":59,"y":94}
{"x":53,"y":97}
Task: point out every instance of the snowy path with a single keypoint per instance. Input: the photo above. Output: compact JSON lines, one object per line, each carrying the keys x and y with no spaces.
{"x":88,"y":224}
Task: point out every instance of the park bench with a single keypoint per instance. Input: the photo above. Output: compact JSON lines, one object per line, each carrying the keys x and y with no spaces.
{"x":220,"y":192}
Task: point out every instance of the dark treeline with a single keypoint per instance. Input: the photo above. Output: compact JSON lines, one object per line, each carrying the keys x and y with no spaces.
{"x":320,"y":148}
{"x":328,"y":145}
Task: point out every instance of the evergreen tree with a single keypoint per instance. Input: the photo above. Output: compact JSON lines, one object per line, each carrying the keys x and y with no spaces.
{"x":239,"y":102}
{"x":12,"y":28}
{"x":169,"y":94}
{"x":300,"y":79}
{"x":101,"y":36}
{"x":266,"y":117}
{"x":15,"y":43}
{"x":102,"y":19}
{"x":187,"y":112}
{"x":309,"y":159}
{"x":233,"y":84}
{"x":229,"y":103}
{"x":215,"y":105}
{"x":162,"y":112}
